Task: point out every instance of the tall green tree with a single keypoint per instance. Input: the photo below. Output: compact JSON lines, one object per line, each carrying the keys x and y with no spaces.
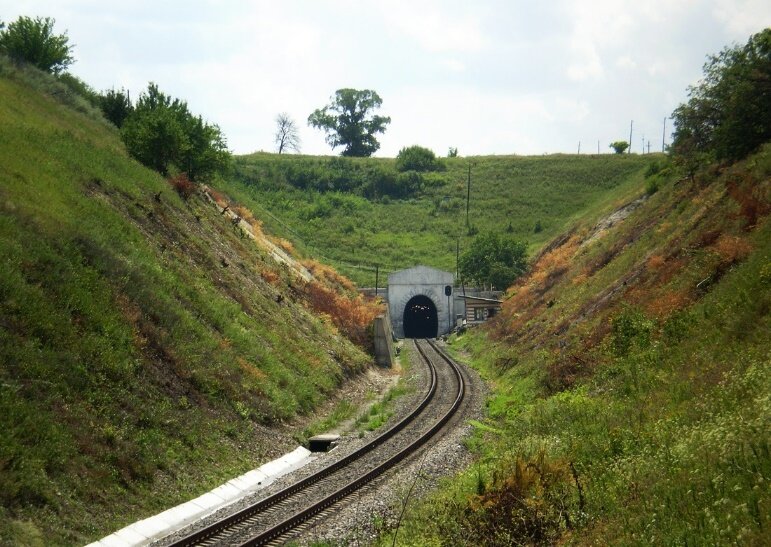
{"x":116,"y":105}
{"x":162,"y":134}
{"x":493,"y":260}
{"x":33,"y":41}
{"x":349,"y":121}
{"x":728,"y":114}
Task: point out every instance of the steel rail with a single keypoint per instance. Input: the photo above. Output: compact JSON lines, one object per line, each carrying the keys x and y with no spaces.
{"x":217,"y":528}
{"x":294,"y":521}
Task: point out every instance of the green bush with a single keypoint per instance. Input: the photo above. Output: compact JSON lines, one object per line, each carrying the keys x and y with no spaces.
{"x":417,"y":158}
{"x":630,"y":329}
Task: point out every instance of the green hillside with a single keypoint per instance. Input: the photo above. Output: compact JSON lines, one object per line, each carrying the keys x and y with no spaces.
{"x":337,"y":208}
{"x":145,"y":343}
{"x":631,"y":398}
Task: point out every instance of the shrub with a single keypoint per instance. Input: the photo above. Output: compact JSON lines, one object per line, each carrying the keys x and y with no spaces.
{"x":652,"y":185}
{"x":731,"y":249}
{"x":417,"y":158}
{"x":630,"y":329}
{"x":271,"y":277}
{"x":183,"y":185}
{"x":619,"y":147}
{"x":531,"y":501}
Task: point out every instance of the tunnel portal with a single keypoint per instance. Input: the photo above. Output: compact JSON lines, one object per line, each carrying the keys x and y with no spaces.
{"x":420,"y":318}
{"x":418,"y":303}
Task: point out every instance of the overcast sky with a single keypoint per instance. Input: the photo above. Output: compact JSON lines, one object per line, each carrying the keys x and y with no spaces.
{"x":485,"y":76}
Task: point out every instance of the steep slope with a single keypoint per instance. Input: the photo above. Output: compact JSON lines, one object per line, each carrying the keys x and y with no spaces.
{"x":631,"y":373}
{"x":146,"y":345}
{"x":333,"y":207}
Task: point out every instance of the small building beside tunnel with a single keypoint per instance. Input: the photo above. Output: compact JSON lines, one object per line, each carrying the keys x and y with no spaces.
{"x":479,"y":308}
{"x":421,"y":302}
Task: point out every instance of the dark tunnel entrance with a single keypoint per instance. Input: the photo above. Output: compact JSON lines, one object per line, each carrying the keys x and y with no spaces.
{"x":420,"y":319}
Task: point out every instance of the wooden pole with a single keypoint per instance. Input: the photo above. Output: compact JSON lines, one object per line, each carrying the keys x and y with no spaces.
{"x":457,"y":258}
{"x":630,"y":136}
{"x":468,"y":194}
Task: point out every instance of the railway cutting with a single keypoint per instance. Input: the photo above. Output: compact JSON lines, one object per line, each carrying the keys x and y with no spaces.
{"x":282,"y":515}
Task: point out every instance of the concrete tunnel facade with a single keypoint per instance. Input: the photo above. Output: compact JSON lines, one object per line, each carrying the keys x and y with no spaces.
{"x":418,"y":304}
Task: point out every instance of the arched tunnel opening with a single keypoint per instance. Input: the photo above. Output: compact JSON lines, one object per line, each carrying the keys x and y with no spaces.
{"x":420,"y":318}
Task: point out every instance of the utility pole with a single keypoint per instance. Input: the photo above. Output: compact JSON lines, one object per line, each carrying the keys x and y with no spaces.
{"x":377,"y":275}
{"x":579,"y":147}
{"x":630,"y":136}
{"x":468,"y":195}
{"x":457,"y":257}
{"x":649,"y":147}
{"x":664,"y":136}
{"x":598,"y":147}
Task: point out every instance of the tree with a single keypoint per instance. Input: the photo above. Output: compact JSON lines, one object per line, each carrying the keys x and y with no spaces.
{"x":417,"y":158}
{"x":116,"y":106}
{"x":619,"y":146}
{"x":494,"y":260}
{"x":162,"y":134}
{"x":728,"y":114}
{"x":33,"y":41}
{"x":452,"y":152}
{"x":287,"y":134}
{"x":348,"y":121}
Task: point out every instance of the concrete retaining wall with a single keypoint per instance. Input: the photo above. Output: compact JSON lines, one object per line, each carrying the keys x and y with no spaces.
{"x":384,"y":345}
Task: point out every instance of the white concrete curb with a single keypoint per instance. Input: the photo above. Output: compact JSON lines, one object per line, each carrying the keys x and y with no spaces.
{"x":153,"y":528}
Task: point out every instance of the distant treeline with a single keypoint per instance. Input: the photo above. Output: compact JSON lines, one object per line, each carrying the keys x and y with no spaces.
{"x":373,"y":179}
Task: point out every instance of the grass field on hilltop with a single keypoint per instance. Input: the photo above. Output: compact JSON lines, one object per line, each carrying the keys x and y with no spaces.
{"x":530,"y":197}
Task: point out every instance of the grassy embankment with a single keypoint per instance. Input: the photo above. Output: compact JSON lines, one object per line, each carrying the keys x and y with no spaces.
{"x":336,"y":208}
{"x":145,"y":345}
{"x":632,"y":394}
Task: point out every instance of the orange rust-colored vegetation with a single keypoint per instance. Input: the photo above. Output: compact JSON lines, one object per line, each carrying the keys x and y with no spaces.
{"x":328,"y":274}
{"x":731,"y":249}
{"x":351,"y":314}
{"x":183,"y":185}
{"x":672,"y":254}
{"x":248,"y":217}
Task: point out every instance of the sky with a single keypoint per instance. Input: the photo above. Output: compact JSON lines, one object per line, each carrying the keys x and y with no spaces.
{"x":485,"y":77}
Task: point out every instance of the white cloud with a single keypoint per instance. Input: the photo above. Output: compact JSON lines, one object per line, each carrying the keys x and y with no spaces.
{"x":492,"y":76}
{"x":626,"y":62}
{"x":743,"y":17}
{"x":453,"y":65}
{"x":436,"y":26}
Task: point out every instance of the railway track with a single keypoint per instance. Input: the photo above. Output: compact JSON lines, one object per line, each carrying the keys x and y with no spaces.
{"x":270,"y":520}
